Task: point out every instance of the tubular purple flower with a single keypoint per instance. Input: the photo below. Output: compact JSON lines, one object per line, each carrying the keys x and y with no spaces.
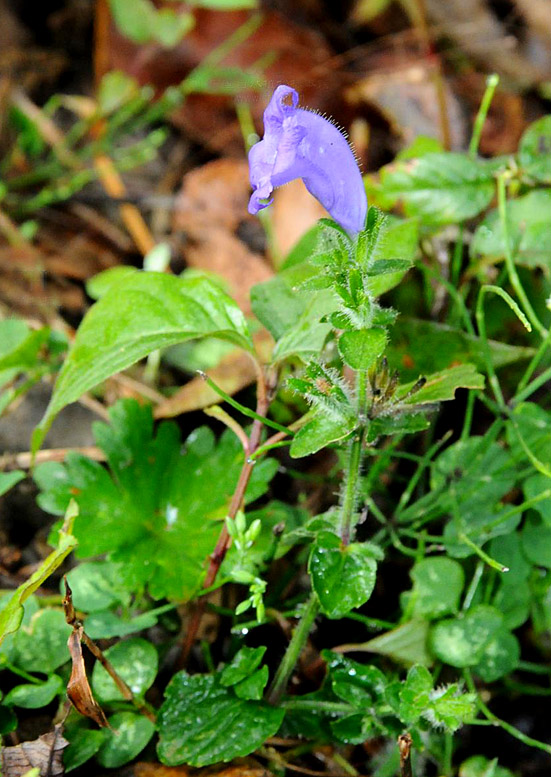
{"x":298,"y":143}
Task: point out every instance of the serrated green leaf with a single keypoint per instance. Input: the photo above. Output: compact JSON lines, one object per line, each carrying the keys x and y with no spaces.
{"x":440,"y":188}
{"x":33,"y":696}
{"x":343,"y":576}
{"x":154,"y":497}
{"x":441,"y":386}
{"x":244,"y":663}
{"x":360,"y":348}
{"x":319,"y":432}
{"x":461,"y":641}
{"x":534,"y":151}
{"x":127,"y":737}
{"x":149,"y":311}
{"x":201,"y":722}
{"x":135,"y":660}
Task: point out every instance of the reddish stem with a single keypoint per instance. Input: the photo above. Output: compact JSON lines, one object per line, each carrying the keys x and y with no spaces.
{"x":218,"y":555}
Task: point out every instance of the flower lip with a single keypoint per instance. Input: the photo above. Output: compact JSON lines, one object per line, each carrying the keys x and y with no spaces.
{"x":298,"y":143}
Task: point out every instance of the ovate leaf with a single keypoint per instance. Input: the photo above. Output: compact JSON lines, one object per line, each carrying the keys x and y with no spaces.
{"x":440,"y":188}
{"x":148,"y":311}
{"x":343,"y":576}
{"x":201,"y":722}
{"x":360,"y":348}
{"x":461,"y":641}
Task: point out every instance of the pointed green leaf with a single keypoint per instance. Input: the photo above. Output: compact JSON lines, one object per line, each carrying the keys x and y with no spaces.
{"x":145,"y":312}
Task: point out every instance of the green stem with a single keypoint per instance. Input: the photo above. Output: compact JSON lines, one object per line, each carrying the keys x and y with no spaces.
{"x":514,"y":732}
{"x":537,"y":357}
{"x":21,"y":673}
{"x":533,"y":386}
{"x":354,"y":463}
{"x":509,"y":261}
{"x":300,"y":635}
{"x":318,"y":706}
{"x":491,"y":85}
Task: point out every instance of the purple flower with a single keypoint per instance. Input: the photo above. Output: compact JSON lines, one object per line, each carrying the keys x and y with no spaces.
{"x":298,"y":143}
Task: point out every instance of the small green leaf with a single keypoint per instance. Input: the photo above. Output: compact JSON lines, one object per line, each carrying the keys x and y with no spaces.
{"x":8,"y":720}
{"x":441,"y":386}
{"x":535,"y":150}
{"x":343,"y":576}
{"x":252,"y":687}
{"x":106,"y":624}
{"x":201,"y":722}
{"x":360,"y":348}
{"x":437,"y":587}
{"x":536,"y":542}
{"x":461,"y":641}
{"x":358,"y":684}
{"x":244,"y":663}
{"x":96,"y":586}
{"x":83,"y":744}
{"x":480,"y":766}
{"x":41,"y":646}
{"x":406,"y":644}
{"x":10,"y":479}
{"x":500,"y":657}
{"x":135,"y":660}
{"x":33,"y":696}
{"x":127,"y":737}
{"x":12,"y":614}
{"x":320,"y":432}
{"x":150,"y":311}
{"x":440,"y":188}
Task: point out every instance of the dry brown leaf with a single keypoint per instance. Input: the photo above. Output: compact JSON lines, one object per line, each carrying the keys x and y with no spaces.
{"x":407,"y":97}
{"x":44,"y":753}
{"x":78,"y":688}
{"x":215,"y":193}
{"x":234,"y":373}
{"x":239,"y":769}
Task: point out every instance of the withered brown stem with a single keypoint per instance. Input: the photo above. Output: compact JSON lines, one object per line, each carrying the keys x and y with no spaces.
{"x":72,"y":620}
{"x":404,"y":745}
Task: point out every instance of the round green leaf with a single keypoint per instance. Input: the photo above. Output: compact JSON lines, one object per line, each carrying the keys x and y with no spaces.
{"x":96,"y":586}
{"x":135,"y":660}
{"x":461,"y":641}
{"x":437,"y":586}
{"x":83,"y":744}
{"x":500,"y":657}
{"x":42,"y":645}
{"x":536,"y":542}
{"x":129,"y":735}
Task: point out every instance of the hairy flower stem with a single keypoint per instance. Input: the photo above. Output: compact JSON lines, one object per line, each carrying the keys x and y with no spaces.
{"x":311,"y":609}
{"x":221,"y":548}
{"x":354,"y":463}
{"x":294,"y":649}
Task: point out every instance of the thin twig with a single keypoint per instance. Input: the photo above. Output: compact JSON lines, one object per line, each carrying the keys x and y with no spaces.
{"x":24,"y":459}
